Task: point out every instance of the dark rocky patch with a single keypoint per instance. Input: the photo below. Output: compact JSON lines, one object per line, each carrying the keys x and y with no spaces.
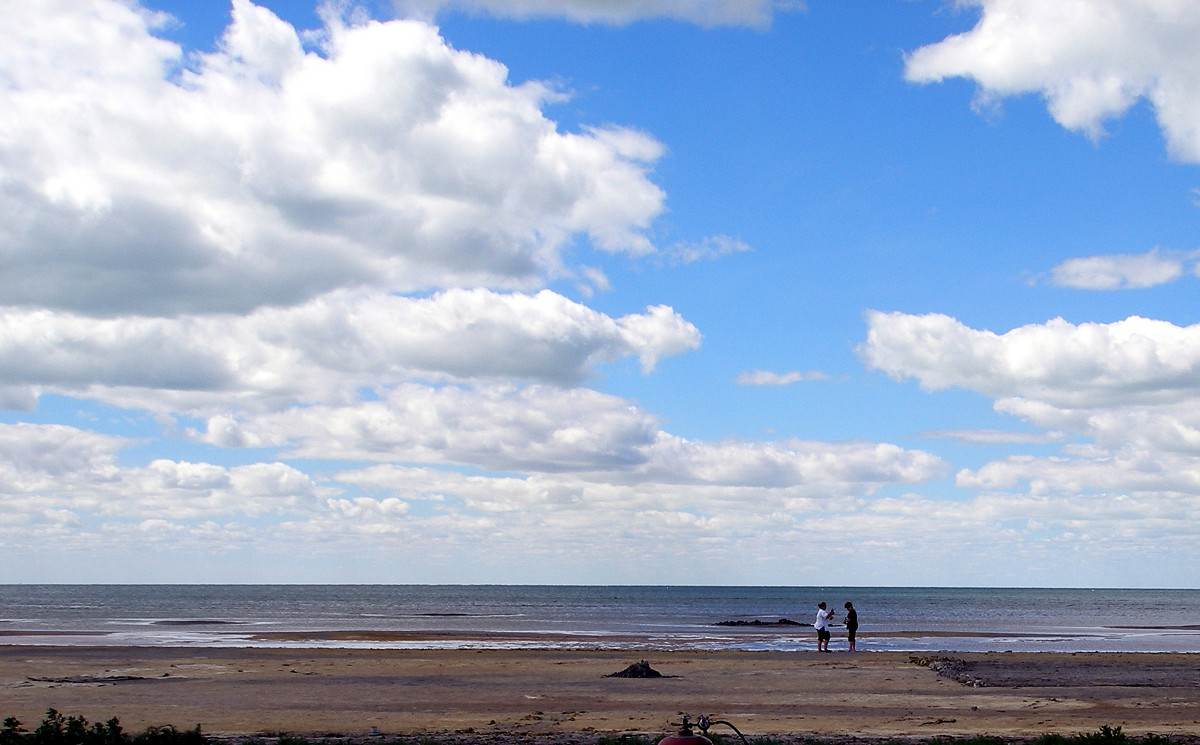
{"x":637,"y":670}
{"x":88,"y":679}
{"x":1035,"y":670}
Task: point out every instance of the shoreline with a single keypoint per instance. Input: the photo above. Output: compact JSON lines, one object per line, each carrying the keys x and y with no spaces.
{"x":562,"y":695}
{"x":724,"y":636}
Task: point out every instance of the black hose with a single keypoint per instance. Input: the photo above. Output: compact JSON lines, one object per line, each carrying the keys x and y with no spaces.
{"x":705,"y":722}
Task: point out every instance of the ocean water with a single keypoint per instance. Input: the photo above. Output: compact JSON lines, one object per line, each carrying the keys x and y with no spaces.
{"x":597,"y":617}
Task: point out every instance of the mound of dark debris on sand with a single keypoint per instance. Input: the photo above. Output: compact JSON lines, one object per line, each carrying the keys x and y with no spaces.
{"x":637,"y":670}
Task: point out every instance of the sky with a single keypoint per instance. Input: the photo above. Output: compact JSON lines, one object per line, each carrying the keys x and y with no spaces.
{"x":709,"y":292}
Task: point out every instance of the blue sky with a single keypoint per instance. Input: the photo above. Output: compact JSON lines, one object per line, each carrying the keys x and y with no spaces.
{"x":571,"y":291}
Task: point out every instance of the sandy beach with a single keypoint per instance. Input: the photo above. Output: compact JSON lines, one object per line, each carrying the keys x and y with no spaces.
{"x":567,"y":696}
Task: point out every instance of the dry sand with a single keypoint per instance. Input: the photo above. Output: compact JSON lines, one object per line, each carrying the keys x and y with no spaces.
{"x":565,"y":696}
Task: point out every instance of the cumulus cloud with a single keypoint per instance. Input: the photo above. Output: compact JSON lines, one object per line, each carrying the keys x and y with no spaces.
{"x":329,"y":347}
{"x":1090,"y":59}
{"x":1129,"y":472}
{"x":546,"y":429}
{"x":74,"y":476}
{"x":520,"y":471}
{"x":1127,"y":391}
{"x":758,"y":504}
{"x":1137,"y":360}
{"x":817,"y":468}
{"x":499,"y":428}
{"x":706,"y":514}
{"x":141,"y":180}
{"x":35,"y":455}
{"x":754,"y":13}
{"x":1119,"y":271}
{"x":1168,"y":427}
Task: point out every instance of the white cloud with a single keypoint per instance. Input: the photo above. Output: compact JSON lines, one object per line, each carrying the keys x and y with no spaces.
{"x":1090,"y":59}
{"x":545,"y":471}
{"x":34,"y":456}
{"x":270,"y":174}
{"x":711,"y":248}
{"x":766,"y":377}
{"x":329,"y":347}
{"x":72,"y":475}
{"x":760,"y":506}
{"x":595,"y":278}
{"x":817,"y":468}
{"x":499,"y":428}
{"x":755,"y":13}
{"x":1168,"y":427}
{"x":993,"y":436}
{"x":577,"y":502}
{"x":1119,"y":271}
{"x":1137,"y":360}
{"x":544,"y":429}
{"x":1129,"y":391}
{"x":1125,"y":473}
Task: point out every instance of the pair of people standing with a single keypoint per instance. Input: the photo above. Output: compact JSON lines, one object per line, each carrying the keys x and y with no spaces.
{"x":825,"y":618}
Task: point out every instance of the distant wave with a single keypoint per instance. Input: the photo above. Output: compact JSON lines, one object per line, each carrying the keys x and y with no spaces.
{"x":1152,"y":627}
{"x":436,"y":614}
{"x":196,"y":622}
{"x":441,"y":614}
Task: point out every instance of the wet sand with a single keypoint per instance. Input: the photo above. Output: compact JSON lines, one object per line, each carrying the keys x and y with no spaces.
{"x":566,"y":696}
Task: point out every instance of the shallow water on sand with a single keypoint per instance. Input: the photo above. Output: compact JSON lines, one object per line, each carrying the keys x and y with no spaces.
{"x":613,"y":617}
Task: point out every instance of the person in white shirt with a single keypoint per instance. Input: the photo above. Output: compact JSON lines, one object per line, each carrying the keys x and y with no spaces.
{"x":824,"y":617}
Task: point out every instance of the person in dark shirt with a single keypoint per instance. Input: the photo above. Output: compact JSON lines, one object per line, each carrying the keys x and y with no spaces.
{"x":851,"y":623}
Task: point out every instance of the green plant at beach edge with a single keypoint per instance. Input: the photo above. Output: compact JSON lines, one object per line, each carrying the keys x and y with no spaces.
{"x":57,"y":729}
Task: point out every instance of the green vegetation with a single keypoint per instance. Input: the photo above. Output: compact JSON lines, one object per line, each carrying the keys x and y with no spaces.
{"x":56,"y":729}
{"x":1106,"y":735}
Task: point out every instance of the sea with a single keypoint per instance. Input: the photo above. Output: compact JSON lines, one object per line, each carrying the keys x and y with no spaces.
{"x":645,"y":618}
